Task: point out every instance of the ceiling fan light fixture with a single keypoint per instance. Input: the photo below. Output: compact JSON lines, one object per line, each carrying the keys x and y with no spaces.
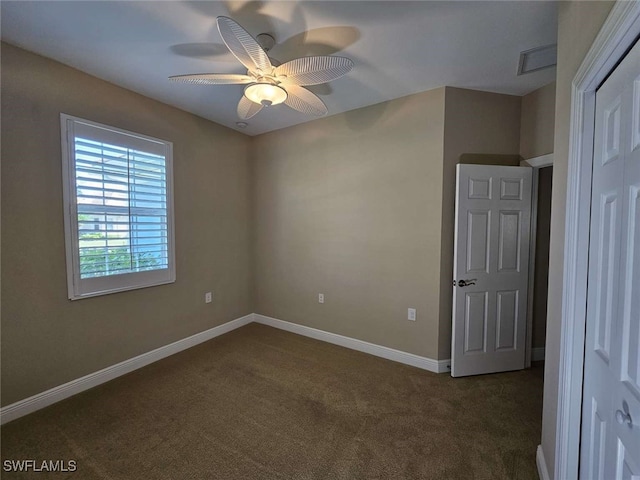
{"x":265,"y":94}
{"x":268,"y":81}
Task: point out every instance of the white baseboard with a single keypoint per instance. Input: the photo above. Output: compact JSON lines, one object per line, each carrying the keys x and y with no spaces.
{"x":436,"y":366}
{"x":53,"y":395}
{"x":543,"y":471}
{"x":537,"y":354}
{"x":49,"y":397}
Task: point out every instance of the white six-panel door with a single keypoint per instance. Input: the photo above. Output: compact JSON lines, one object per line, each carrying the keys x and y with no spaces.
{"x":610,"y":445}
{"x":491,"y":263}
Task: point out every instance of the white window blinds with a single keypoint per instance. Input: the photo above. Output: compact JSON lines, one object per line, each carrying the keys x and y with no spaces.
{"x":120,"y":226}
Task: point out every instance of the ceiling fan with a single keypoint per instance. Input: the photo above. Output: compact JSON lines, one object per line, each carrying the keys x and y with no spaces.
{"x":268,"y":82}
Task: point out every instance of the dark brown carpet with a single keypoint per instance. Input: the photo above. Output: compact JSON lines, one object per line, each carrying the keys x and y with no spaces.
{"x":260,"y":403}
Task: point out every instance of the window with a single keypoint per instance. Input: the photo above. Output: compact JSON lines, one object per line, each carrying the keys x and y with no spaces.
{"x":118,"y":209}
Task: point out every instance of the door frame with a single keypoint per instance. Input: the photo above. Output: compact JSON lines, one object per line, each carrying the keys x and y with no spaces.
{"x":618,"y":34}
{"x":536,"y":164}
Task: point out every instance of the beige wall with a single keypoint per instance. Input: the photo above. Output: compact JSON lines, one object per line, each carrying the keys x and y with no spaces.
{"x":47,"y":339}
{"x":350,"y":206}
{"x":537,"y":122}
{"x":475,"y":123}
{"x":578,"y":25}
{"x":360,"y":207}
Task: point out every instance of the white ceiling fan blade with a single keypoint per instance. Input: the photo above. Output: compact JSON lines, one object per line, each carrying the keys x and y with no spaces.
{"x":247,"y":108}
{"x":302,"y":100}
{"x":213,"y":79}
{"x":243,"y":46}
{"x":313,"y":70}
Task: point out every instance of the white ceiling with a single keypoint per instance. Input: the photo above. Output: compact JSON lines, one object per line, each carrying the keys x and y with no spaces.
{"x":398,"y":47}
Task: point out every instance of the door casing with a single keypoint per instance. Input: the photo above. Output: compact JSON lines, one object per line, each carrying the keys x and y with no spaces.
{"x":536,"y":164}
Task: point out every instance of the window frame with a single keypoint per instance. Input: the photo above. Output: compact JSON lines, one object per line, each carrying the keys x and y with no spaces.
{"x":78,"y":287}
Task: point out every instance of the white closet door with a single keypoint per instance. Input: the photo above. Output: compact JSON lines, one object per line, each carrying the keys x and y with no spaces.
{"x":610,"y":446}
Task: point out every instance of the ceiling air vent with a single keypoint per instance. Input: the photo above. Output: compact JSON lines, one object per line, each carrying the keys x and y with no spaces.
{"x":537,"y":59}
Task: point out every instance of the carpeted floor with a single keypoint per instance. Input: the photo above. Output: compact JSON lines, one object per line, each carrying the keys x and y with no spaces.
{"x":260,"y":403}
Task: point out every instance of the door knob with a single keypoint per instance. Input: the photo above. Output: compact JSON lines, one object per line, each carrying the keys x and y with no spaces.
{"x":623,"y":418}
{"x":466,"y":283}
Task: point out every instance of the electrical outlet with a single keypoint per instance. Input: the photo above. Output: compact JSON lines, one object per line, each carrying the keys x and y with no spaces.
{"x":411,"y":315}
{"x":208,"y":297}
{"x":321,"y":298}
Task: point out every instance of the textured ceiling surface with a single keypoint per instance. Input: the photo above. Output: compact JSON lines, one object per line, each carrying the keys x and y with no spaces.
{"x":398,"y":47}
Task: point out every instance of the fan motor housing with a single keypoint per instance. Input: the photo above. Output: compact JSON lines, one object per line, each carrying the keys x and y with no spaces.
{"x":266,"y":41}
